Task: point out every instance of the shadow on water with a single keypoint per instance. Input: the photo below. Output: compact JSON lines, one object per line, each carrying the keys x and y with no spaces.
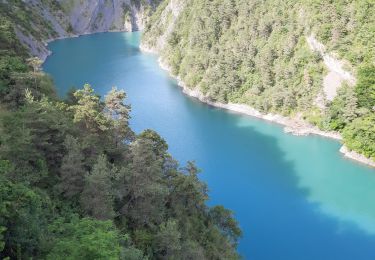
{"x":249,"y":171}
{"x":288,"y":193}
{"x":273,"y":208}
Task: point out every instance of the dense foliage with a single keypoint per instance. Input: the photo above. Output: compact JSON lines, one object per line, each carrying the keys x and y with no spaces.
{"x":77,"y":183}
{"x":353,"y":113}
{"x":22,"y":15}
{"x":255,"y":52}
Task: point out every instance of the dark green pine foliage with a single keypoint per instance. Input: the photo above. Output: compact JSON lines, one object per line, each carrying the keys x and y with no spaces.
{"x":72,"y":171}
{"x":24,"y":217}
{"x":77,"y":183}
{"x":97,"y":197}
{"x":144,"y":192}
{"x":255,"y":52}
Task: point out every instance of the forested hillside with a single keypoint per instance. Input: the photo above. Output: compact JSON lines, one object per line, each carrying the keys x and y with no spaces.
{"x":256,"y":53}
{"x":77,"y":183}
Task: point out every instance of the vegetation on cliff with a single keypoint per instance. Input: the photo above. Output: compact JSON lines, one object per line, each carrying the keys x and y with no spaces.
{"x":255,"y":52}
{"x":77,"y":183}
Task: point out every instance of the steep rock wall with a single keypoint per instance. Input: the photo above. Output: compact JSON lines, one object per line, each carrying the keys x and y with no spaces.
{"x":106,"y":15}
{"x":67,"y":18}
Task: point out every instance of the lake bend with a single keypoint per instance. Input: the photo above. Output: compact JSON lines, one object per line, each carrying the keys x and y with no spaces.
{"x":295,"y":197}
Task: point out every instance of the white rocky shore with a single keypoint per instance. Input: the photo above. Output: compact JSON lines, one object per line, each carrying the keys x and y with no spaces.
{"x":296,"y":126}
{"x":356,"y":156}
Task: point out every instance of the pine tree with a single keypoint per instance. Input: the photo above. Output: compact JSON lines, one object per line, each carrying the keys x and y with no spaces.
{"x":118,"y":111}
{"x":88,"y":110}
{"x":97,"y":196}
{"x":143,"y":194}
{"x":72,"y":172}
{"x":168,"y":240}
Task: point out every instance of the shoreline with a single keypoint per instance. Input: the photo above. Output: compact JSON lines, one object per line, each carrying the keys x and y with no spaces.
{"x":47,"y":41}
{"x":294,"y":126}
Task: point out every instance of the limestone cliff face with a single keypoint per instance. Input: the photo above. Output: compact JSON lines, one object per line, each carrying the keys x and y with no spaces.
{"x":106,"y":15}
{"x":65,"y":18}
{"x":162,"y":27}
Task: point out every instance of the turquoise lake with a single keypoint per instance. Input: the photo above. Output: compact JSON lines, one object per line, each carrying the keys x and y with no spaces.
{"x":295,"y":197}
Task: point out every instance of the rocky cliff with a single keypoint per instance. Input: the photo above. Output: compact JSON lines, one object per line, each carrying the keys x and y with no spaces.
{"x":67,"y":18}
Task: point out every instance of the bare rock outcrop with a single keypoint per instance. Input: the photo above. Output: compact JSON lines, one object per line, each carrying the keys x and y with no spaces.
{"x":75,"y":17}
{"x":337,"y":74}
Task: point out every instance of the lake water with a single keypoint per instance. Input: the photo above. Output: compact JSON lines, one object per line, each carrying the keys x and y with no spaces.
{"x":295,"y":197}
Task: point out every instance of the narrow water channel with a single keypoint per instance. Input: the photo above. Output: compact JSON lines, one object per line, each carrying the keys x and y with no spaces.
{"x":295,"y":197}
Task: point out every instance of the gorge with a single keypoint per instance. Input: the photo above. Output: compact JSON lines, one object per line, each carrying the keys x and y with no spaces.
{"x":276,"y":184}
{"x":80,"y":167}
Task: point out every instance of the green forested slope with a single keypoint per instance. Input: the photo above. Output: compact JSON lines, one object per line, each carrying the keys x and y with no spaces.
{"x":346,"y":27}
{"x":255,"y":52}
{"x":77,"y":183}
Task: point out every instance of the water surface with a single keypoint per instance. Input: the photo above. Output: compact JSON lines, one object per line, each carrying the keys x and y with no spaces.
{"x":295,"y":197}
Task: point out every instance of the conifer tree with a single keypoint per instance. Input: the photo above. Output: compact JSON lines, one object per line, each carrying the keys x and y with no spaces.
{"x":97,"y":195}
{"x":72,"y":172}
{"x":118,"y":112}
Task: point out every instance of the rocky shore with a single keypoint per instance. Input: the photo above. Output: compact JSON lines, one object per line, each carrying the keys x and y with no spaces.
{"x":356,"y":156}
{"x":296,"y":126}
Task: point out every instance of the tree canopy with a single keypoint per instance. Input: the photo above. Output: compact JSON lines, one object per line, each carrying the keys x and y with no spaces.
{"x":77,"y":183}
{"x":255,"y":52}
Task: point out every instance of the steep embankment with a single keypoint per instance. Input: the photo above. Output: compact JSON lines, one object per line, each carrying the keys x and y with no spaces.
{"x":292,"y":62}
{"x":39,"y":21}
{"x":76,"y":182}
